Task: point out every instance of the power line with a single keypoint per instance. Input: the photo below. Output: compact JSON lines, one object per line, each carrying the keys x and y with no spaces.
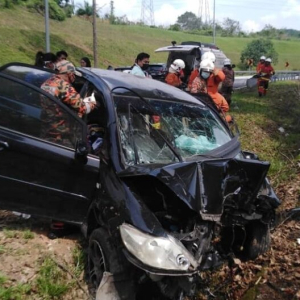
{"x":203,"y":11}
{"x":147,"y":12}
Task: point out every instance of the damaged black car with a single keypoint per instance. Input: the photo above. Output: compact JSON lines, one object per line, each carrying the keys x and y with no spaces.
{"x":154,"y":176}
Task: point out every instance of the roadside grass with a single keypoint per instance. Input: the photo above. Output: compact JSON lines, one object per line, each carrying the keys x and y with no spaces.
{"x":17,"y":292}
{"x":51,"y":281}
{"x":270,"y":127}
{"x":13,"y":233}
{"x":22,"y":34}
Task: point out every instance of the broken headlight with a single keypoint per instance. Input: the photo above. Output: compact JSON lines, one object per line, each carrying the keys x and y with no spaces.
{"x":165,"y":253}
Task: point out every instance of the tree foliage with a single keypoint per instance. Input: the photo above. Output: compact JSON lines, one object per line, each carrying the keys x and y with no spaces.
{"x":255,"y":49}
{"x":189,"y":21}
{"x":85,"y":10}
{"x":231,"y":27}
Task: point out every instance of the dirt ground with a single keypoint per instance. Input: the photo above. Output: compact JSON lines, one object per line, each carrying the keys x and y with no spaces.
{"x":21,"y":256}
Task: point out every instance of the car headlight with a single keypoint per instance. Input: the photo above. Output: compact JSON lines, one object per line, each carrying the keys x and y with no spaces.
{"x":158,"y":252}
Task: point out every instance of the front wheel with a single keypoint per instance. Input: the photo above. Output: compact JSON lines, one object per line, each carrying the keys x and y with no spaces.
{"x":102,"y":257}
{"x":258,"y":239}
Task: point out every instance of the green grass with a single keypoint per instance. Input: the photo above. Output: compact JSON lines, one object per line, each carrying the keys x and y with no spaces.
{"x":79,"y":259}
{"x":51,"y":282}
{"x":16,"y":292}
{"x":27,"y":234}
{"x":259,"y":120}
{"x":22,"y":35}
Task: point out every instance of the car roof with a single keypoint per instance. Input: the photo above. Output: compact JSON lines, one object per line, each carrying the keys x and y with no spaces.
{"x":145,"y":87}
{"x":180,"y":48}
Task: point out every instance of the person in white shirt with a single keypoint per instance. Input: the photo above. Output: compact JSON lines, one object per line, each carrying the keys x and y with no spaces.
{"x":141,"y":65}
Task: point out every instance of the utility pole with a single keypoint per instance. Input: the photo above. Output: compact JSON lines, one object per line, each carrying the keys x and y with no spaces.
{"x":95,"y":34}
{"x":214,"y":23}
{"x":47,"y":26}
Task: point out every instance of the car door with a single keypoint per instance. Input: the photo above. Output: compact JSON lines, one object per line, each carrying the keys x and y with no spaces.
{"x":41,"y":176}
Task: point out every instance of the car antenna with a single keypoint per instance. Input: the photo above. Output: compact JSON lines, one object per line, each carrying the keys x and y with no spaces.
{"x":173,"y":43}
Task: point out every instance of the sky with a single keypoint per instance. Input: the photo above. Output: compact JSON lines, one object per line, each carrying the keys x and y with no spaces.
{"x":253,"y":15}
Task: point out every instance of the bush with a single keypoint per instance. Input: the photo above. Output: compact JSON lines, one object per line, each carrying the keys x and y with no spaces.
{"x":55,"y":12}
{"x":175,"y":27}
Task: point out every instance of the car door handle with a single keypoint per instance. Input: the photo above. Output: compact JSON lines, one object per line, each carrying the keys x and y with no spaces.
{"x":3,"y":145}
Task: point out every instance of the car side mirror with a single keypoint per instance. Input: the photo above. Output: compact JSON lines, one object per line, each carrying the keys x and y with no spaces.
{"x":81,"y":152}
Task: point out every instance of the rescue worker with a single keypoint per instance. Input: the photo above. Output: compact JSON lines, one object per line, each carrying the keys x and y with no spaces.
{"x":265,"y":73}
{"x":56,"y":127}
{"x":194,"y":74}
{"x":208,"y":81}
{"x":209,"y":55}
{"x":59,"y":86}
{"x":227,"y":84}
{"x":260,"y":64}
{"x":173,"y":77}
{"x":141,"y":65}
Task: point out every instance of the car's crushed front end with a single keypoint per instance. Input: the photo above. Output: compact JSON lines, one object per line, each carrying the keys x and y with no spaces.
{"x":188,"y":189}
{"x":199,"y":205}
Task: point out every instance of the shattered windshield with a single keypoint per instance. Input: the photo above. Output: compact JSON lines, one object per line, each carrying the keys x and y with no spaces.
{"x":160,"y":131}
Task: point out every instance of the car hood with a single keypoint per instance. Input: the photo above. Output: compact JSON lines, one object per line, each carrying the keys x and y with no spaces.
{"x":204,"y":185}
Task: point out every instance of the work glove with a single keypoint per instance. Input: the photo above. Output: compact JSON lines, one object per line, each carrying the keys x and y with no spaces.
{"x":90,"y":103}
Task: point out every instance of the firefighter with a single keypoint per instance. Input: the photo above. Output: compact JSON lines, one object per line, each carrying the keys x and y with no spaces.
{"x":173,"y":77}
{"x":265,"y":74}
{"x":227,"y":85}
{"x":208,"y":81}
{"x":209,"y":55}
{"x":260,"y":64}
{"x":194,"y":74}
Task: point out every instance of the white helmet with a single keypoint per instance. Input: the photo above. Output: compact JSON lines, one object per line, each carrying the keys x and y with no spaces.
{"x":269,"y":60}
{"x":208,"y":55}
{"x":227,"y":62}
{"x":263,"y":58}
{"x":206,"y":65}
{"x":177,"y":65}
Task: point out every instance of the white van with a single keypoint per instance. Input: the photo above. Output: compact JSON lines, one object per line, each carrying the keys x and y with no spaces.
{"x":190,"y":53}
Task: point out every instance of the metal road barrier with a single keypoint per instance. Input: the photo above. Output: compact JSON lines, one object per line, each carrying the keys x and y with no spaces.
{"x":242,"y":78}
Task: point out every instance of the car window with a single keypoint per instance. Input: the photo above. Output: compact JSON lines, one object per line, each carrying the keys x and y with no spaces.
{"x":29,"y":74}
{"x":31,"y":112}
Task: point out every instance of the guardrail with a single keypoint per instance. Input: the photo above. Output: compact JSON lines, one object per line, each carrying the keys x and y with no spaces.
{"x":242,"y":77}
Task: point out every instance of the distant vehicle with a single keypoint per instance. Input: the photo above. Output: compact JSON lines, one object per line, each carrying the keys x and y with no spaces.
{"x":191,"y":52}
{"x":158,"y":71}
{"x":125,"y":69}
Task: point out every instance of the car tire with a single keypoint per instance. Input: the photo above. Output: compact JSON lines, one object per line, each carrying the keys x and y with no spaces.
{"x":102,"y":257}
{"x":258,"y":240}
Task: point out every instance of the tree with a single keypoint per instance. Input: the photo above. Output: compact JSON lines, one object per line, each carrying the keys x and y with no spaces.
{"x":112,"y":17}
{"x":85,"y":10}
{"x":255,"y":49}
{"x":231,"y":27}
{"x":189,"y":21}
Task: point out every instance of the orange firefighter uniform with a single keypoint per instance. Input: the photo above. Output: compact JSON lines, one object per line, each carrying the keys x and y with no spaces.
{"x":193,"y":75}
{"x":266,"y":73}
{"x":173,"y":79}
